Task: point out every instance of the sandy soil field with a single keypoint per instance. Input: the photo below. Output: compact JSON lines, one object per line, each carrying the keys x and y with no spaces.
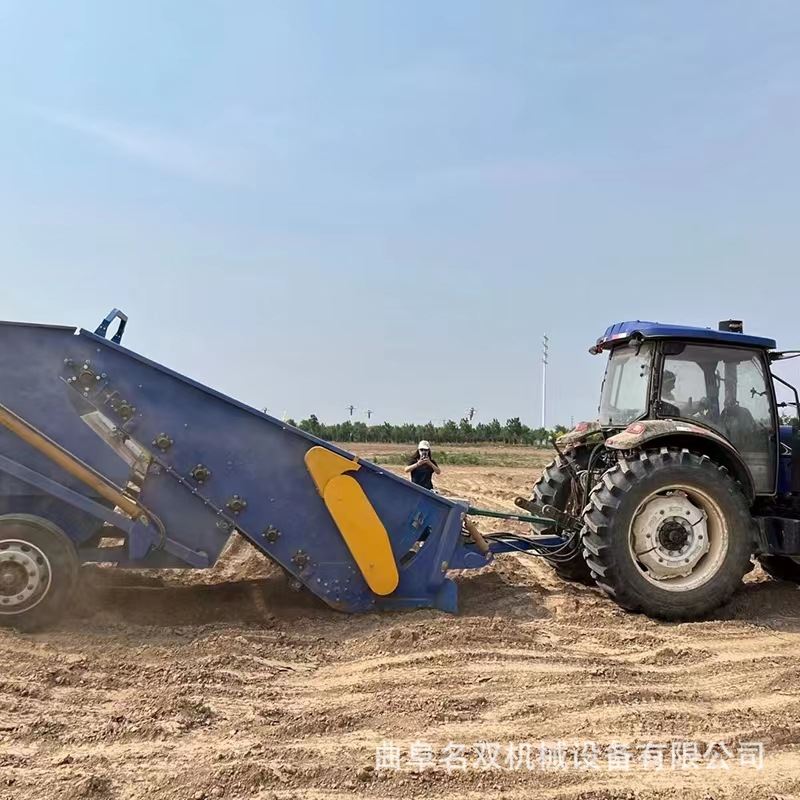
{"x":226,"y":684}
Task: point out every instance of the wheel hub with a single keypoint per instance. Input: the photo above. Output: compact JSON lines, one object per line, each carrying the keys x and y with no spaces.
{"x":674,"y":533}
{"x":24,"y":576}
{"x":670,"y":536}
{"x":13,"y":578}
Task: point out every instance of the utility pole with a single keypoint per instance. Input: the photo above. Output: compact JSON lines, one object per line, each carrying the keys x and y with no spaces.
{"x":351,"y":408}
{"x":545,"y":345}
{"x":370,"y":412}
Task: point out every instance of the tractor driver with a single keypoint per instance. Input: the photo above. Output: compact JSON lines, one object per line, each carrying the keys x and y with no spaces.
{"x":668,"y":408}
{"x":422,"y":466}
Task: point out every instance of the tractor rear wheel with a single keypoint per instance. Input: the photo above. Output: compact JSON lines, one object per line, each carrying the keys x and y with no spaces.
{"x":782,"y":568}
{"x":556,"y":488}
{"x":38,"y":571}
{"x":668,"y":533}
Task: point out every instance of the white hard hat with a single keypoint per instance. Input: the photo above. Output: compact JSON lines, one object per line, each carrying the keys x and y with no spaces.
{"x":424,"y":445}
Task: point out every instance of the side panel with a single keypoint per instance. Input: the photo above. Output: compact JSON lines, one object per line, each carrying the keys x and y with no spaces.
{"x":31,"y":361}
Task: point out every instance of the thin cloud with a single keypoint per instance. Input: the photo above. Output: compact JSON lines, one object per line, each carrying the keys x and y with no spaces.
{"x":159,"y":149}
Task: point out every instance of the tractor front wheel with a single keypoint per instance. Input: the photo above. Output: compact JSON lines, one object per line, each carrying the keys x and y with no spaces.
{"x":38,"y":571}
{"x":556,"y":488}
{"x":668,"y":533}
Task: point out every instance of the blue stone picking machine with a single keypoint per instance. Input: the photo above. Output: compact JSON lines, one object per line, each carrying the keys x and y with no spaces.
{"x":106,"y":456}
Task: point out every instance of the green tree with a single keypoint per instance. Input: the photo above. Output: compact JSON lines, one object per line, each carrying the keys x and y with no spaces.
{"x":311,"y":425}
{"x":449,"y":432}
{"x":513,"y":430}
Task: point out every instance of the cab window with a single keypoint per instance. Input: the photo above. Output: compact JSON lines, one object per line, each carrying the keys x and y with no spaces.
{"x":624,"y":395}
{"x":727,"y":389}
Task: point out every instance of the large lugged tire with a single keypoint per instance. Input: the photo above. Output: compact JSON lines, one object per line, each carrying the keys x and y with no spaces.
{"x":555,"y":488}
{"x":669,"y":534}
{"x":782,"y":568}
{"x":38,"y":571}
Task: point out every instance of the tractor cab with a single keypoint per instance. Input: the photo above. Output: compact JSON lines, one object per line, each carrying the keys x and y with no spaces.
{"x":717,"y":381}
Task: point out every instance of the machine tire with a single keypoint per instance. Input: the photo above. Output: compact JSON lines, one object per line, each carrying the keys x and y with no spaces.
{"x":622,"y":500}
{"x":33,"y":549}
{"x":554,"y":488}
{"x":781,"y":568}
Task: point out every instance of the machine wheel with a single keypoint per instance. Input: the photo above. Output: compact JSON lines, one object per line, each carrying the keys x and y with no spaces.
{"x":555,"y":488}
{"x":668,"y":533}
{"x":782,"y":568}
{"x":38,"y":571}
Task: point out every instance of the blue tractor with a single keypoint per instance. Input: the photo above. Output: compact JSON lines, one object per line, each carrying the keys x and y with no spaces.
{"x":687,"y":474}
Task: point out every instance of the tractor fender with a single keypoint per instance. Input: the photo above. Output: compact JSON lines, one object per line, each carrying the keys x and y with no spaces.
{"x":582,"y":433}
{"x":675,"y":433}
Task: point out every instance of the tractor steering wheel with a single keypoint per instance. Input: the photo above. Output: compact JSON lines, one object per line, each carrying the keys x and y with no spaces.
{"x":697,"y":409}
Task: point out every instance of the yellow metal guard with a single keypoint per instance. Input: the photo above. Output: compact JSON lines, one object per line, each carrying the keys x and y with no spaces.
{"x":356,"y":519}
{"x":325,"y":464}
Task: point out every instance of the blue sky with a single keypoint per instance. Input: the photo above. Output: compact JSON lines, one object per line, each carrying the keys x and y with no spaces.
{"x":312,"y":204}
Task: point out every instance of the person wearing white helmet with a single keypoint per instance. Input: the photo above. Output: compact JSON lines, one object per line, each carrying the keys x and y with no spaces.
{"x":422,"y":466}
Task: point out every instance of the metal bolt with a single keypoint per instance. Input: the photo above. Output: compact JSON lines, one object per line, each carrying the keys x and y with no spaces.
{"x":163,"y":442}
{"x":201,"y":473}
{"x":272,"y":534}
{"x":300,"y":559}
{"x":236,"y":504}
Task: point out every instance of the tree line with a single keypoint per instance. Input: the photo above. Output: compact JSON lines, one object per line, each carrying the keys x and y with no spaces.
{"x":450,"y":432}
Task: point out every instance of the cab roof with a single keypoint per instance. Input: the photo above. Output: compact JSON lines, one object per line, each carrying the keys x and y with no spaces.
{"x":621,"y":331}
